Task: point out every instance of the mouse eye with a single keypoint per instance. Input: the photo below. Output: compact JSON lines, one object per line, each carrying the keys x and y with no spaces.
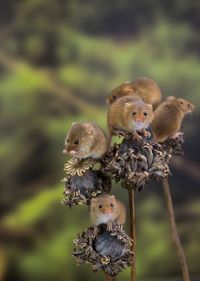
{"x":188,"y":105}
{"x":145,"y":113}
{"x":76,"y":141}
{"x":100,"y":206}
{"x":134,"y":113}
{"x":114,"y":97}
{"x":181,"y":102}
{"x":111,"y":205}
{"x":67,"y":140}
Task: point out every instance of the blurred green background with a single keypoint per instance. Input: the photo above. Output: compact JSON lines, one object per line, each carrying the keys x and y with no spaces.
{"x":58,"y":62}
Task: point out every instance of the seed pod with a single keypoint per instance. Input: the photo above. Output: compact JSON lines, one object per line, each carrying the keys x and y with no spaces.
{"x":80,"y":190}
{"x":106,"y":250}
{"x":136,"y":162}
{"x":174,"y":146}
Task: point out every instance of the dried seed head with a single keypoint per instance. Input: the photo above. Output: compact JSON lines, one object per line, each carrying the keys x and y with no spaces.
{"x":136,"y":162}
{"x":107,"y":250}
{"x":174,"y":146}
{"x":80,"y":190}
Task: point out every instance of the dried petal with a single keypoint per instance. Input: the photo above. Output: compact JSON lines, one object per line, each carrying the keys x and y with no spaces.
{"x":78,"y":167}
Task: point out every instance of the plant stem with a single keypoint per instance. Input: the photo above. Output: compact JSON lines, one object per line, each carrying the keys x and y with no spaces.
{"x":132,"y":230}
{"x":174,"y":231}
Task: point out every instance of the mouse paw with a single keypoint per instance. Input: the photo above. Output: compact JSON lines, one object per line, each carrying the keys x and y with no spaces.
{"x":109,"y":226}
{"x":121,"y":133}
{"x":147,"y":134}
{"x":176,"y":135}
{"x":136,"y":136}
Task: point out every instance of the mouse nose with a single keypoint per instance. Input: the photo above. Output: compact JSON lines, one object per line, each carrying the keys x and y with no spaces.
{"x":107,"y":101}
{"x":140,"y":118}
{"x":107,"y":210}
{"x":72,"y":152}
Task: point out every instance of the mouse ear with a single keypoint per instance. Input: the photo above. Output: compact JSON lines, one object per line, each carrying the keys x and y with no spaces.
{"x":127,"y":88}
{"x":169,"y":98}
{"x":128,"y":104}
{"x":93,"y":200}
{"x":126,"y":82}
{"x":113,"y":196}
{"x":149,"y":106}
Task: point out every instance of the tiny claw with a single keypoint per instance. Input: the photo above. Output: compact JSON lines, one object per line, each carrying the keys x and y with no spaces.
{"x":146,"y":133}
{"x":176,"y":135}
{"x":109,"y":226}
{"x":135,"y":136}
{"x":121,"y":133}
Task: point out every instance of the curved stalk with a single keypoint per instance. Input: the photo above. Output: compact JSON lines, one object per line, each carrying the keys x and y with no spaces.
{"x":174,"y":231}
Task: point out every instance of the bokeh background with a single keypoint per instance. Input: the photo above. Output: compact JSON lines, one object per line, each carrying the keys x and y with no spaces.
{"x":58,"y":62}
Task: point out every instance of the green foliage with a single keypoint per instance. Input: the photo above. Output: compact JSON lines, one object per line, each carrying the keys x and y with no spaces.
{"x":54,"y":70}
{"x":33,"y":209}
{"x":49,"y":253}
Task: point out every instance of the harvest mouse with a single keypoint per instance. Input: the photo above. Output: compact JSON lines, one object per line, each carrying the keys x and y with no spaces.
{"x":143,"y":87}
{"x":86,"y":139}
{"x":129,"y":114}
{"x":107,"y":209}
{"x":168,"y":118}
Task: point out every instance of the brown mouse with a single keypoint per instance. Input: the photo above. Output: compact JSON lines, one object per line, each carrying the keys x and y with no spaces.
{"x":86,"y":139}
{"x":168,"y":118}
{"x":143,"y":87}
{"x":107,"y":209}
{"x":129,"y":114}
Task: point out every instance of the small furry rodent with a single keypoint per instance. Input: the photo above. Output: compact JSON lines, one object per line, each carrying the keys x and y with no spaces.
{"x":107,"y":209}
{"x":86,"y":139}
{"x":143,"y":87}
{"x":129,"y":114}
{"x":168,"y":118}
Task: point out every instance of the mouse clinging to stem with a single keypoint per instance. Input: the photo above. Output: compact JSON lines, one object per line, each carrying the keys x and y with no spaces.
{"x":106,"y":209}
{"x":86,"y":139}
{"x":168,"y":118}
{"x":143,"y":87}
{"x":129,"y":114}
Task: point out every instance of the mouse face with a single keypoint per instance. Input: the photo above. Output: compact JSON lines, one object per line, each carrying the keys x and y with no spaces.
{"x":104,"y":205}
{"x":185,"y":105}
{"x":123,"y":90}
{"x":138,"y":114}
{"x":78,"y":141}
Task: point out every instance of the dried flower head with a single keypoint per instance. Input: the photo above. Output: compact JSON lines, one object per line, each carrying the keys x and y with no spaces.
{"x":174,"y":146}
{"x":103,"y":249}
{"x":80,"y":190}
{"x":78,"y":167}
{"x":136,"y":162}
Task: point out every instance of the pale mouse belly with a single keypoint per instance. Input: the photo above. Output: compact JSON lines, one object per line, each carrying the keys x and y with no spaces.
{"x":104,"y":219}
{"x":137,"y":126}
